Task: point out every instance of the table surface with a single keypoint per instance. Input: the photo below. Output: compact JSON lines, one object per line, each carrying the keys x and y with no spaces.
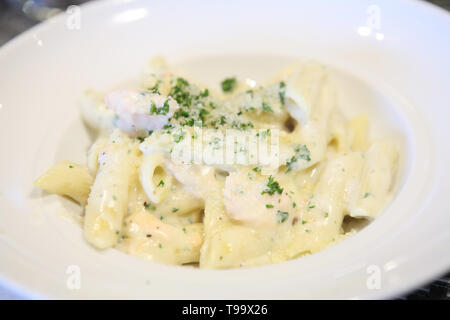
{"x":14,"y":22}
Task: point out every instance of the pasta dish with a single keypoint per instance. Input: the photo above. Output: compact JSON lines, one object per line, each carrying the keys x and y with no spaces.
{"x":244,"y":175}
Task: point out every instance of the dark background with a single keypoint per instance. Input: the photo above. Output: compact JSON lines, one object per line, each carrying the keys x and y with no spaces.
{"x":17,"y":16}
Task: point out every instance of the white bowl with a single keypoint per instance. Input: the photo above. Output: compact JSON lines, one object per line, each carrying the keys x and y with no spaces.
{"x":390,"y":60}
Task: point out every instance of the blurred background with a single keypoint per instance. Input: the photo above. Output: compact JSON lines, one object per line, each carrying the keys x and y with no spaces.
{"x":16,"y":16}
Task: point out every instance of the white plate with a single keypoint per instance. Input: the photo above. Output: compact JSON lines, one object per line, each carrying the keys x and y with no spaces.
{"x":390,"y":60}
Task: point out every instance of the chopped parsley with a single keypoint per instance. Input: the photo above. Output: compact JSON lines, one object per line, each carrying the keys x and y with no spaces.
{"x":149,"y":206}
{"x":179,"y":136}
{"x":272,"y":187}
{"x":269,"y":206}
{"x":301,"y":152}
{"x":164,"y":110}
{"x":266,"y":107}
{"x":257,"y":169}
{"x":325,"y":214}
{"x":282,"y":216}
{"x":181,"y":113}
{"x":242,"y":125}
{"x":282,"y":92}
{"x":228,"y":84}
{"x":222,"y":120}
{"x":175,"y":209}
{"x":204,"y":94}
{"x":161,"y":184}
{"x":180,"y":93}
{"x":366,"y":194}
{"x":155,"y":88}
{"x":189,"y":123}
{"x":182,"y":82}
{"x":265,"y":133}
{"x":71,"y":166}
{"x":202,"y":114}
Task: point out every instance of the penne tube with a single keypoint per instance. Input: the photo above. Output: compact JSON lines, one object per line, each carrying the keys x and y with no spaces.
{"x":67,"y":179}
{"x":108,"y":199}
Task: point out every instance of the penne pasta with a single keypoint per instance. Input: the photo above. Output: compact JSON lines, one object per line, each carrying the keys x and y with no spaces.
{"x":108,"y":200}
{"x":252,"y":175}
{"x":67,"y":179}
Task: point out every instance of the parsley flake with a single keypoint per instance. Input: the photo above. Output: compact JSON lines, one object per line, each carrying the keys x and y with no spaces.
{"x":301,"y":152}
{"x":266,"y":107}
{"x":228,"y":84}
{"x":272,"y":187}
{"x":282,"y":216}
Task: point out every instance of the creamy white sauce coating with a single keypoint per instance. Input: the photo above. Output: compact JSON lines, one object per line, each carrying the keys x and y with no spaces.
{"x":226,"y":215}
